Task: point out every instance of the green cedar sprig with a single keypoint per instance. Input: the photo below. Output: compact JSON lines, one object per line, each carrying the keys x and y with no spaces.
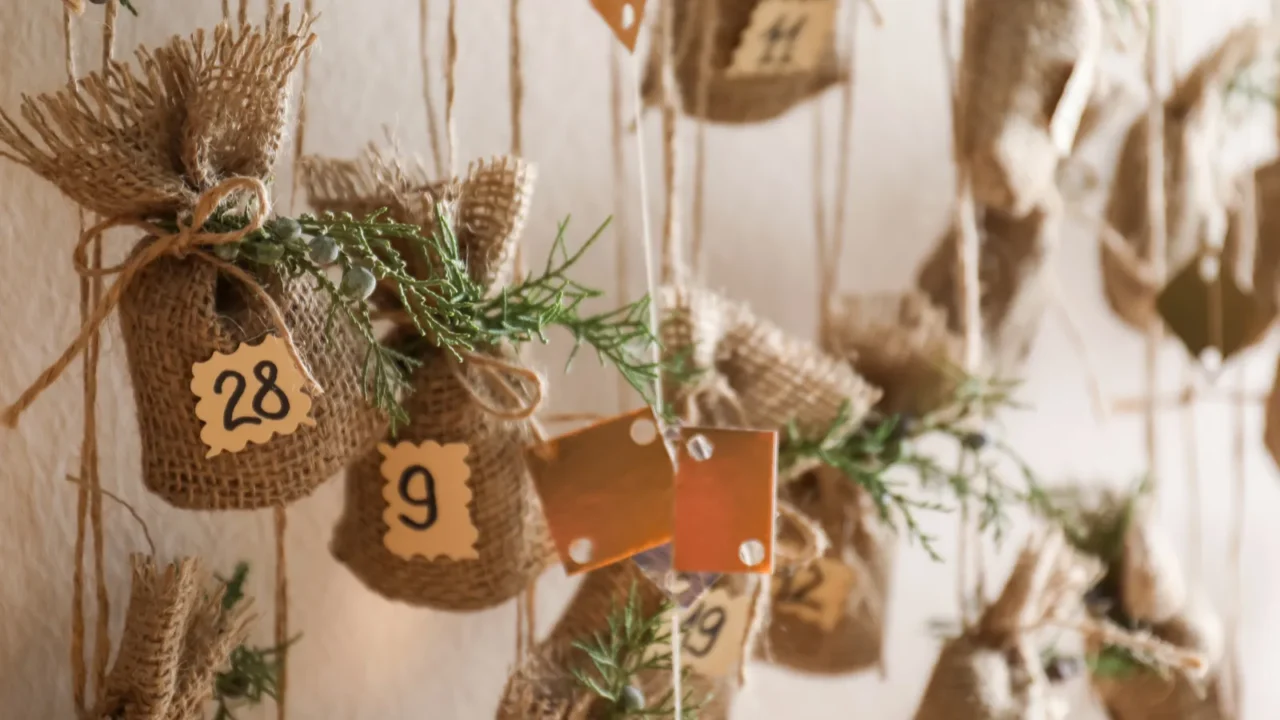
{"x":628,"y":649}
{"x":882,"y":443}
{"x":254,"y":673}
{"x":447,"y":307}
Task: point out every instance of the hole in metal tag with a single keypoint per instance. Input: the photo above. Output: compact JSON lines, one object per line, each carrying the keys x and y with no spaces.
{"x":606,"y":490}
{"x":725,"y":502}
{"x":624,"y":17}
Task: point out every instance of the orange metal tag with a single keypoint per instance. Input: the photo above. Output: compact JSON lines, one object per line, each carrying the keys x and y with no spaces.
{"x":606,"y":490}
{"x":624,"y":18}
{"x":724,"y":500}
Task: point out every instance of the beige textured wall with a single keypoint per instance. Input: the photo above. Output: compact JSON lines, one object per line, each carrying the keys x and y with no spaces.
{"x":362,"y":657}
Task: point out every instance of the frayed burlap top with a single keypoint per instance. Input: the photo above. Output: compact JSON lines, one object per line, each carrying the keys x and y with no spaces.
{"x":1196,"y":189}
{"x":1015,"y":260}
{"x":746,"y":372}
{"x":861,"y":540}
{"x":731,"y":99}
{"x":201,"y":111}
{"x":543,"y":687}
{"x":487,"y":208}
{"x":176,"y":638}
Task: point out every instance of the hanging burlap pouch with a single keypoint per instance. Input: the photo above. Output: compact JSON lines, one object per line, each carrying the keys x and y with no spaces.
{"x":1197,"y":193}
{"x":199,"y":127}
{"x":543,"y":686}
{"x":828,"y":615}
{"x":1028,"y":71}
{"x":724,"y":93}
{"x":901,"y":344}
{"x":738,"y":370}
{"x":993,"y":669}
{"x":1015,"y":263}
{"x":452,"y":400}
{"x":176,"y":638}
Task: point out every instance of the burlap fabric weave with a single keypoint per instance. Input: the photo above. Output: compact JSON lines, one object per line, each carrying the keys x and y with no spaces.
{"x":1197,"y":193}
{"x":744,"y":371}
{"x":487,"y":208}
{"x":1015,"y":260}
{"x":176,"y":638}
{"x":1020,"y":57}
{"x":543,"y":688}
{"x":728,"y":99}
{"x":901,"y":344}
{"x":993,"y":669}
{"x":861,"y":541}
{"x":202,"y":110}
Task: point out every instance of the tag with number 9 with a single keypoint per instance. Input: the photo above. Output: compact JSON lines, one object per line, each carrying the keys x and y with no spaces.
{"x":428,"y":501}
{"x":251,"y":395}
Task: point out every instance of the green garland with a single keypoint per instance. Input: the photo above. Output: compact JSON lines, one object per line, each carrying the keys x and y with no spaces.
{"x":447,"y":307}
{"x":629,"y":649}
{"x":254,"y":673}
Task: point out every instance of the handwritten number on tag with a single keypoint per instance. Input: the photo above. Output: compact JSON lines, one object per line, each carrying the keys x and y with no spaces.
{"x":791,"y":592}
{"x":266,"y":373}
{"x":780,"y":34}
{"x":428,"y":501}
{"x":249,"y":396}
{"x":705,"y":625}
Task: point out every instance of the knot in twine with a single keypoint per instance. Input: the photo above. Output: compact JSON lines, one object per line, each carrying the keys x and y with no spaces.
{"x":714,"y":392}
{"x":188,"y":240}
{"x":813,"y":541}
{"x":525,"y":393}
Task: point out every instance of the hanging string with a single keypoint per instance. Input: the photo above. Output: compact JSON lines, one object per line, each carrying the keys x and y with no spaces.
{"x":831,"y":246}
{"x":646,"y":234}
{"x":451,"y":89}
{"x":1235,"y":609}
{"x":226,"y":9}
{"x":1189,"y":442}
{"x":1158,"y":238}
{"x":424,"y":58}
{"x":673,"y":268}
{"x":516,"y":72}
{"x":967,"y":290}
{"x":300,"y":138}
{"x":244,"y":13}
{"x":282,"y":611}
{"x":621,"y":231}
{"x":271,"y":12}
{"x":710,"y":24}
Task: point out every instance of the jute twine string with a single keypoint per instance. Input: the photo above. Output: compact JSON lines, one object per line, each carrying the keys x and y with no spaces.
{"x":622,"y":280}
{"x":451,"y":90}
{"x":968,"y":289}
{"x":1157,"y":248}
{"x":424,"y":58}
{"x":244,"y":13}
{"x":710,"y":23}
{"x":674,"y":271}
{"x":189,"y":240}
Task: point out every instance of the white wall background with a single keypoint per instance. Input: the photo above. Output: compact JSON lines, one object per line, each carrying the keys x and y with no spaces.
{"x":362,"y":657}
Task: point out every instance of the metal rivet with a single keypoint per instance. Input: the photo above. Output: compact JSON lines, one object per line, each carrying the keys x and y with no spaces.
{"x":643,"y":431}
{"x":700,"y":448}
{"x":751,"y":553}
{"x":580,"y":550}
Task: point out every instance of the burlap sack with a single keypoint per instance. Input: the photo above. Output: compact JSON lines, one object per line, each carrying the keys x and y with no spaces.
{"x":1014,"y":267}
{"x":742,"y":371}
{"x":488,"y":209}
{"x":543,"y":688}
{"x":1266,"y":252}
{"x":993,"y":670}
{"x":176,"y":638}
{"x":1197,"y":193}
{"x":901,"y":344}
{"x":729,"y":99}
{"x":1028,"y":70}
{"x":861,"y":541}
{"x":177,"y":130}
{"x":1148,"y":695}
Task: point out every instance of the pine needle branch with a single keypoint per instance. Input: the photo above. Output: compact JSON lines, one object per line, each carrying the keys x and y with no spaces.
{"x":635,"y":644}
{"x":254,"y":673}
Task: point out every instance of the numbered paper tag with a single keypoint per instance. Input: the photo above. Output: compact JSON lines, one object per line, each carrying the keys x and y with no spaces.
{"x":784,"y":37}
{"x":624,"y":18}
{"x":428,"y":501}
{"x":251,"y":395}
{"x":816,"y":593}
{"x":712,"y":631}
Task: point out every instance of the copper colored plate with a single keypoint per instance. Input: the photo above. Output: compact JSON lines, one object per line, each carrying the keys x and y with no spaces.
{"x":725,"y":500}
{"x":1189,"y":304}
{"x":598,"y":484}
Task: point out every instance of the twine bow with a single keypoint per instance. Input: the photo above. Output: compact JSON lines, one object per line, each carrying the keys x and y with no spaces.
{"x":499,"y":373}
{"x":713,"y":393}
{"x":188,"y":240}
